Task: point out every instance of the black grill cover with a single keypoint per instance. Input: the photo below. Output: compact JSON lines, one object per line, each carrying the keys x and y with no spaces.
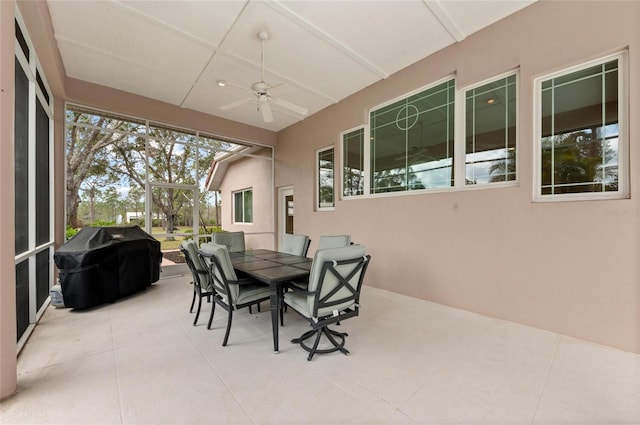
{"x":101,"y":264}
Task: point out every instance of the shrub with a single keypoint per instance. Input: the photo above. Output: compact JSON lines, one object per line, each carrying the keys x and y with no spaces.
{"x":70,"y":232}
{"x":103,"y":223}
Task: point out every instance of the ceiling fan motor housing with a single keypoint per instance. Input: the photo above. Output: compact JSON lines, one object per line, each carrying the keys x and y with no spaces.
{"x":260,"y":87}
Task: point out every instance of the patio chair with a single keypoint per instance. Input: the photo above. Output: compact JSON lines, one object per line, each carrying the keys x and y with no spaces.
{"x":333,"y":295}
{"x":201,"y":284}
{"x":295,"y":244}
{"x":234,"y":241}
{"x":230,"y":292}
{"x":336,"y":241}
{"x":326,"y":242}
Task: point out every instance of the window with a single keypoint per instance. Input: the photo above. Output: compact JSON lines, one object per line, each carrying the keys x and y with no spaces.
{"x":353,"y":162}
{"x":243,"y":206}
{"x":325,"y":164}
{"x":581,"y":132}
{"x":412,"y":141}
{"x":490,"y":132}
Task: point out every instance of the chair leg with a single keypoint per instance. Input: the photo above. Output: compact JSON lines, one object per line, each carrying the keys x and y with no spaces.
{"x":304,"y":336}
{"x":338,"y":344}
{"x":213,"y":310}
{"x":193,"y":301}
{"x":198,"y":311}
{"x":226,"y":335}
{"x":250,"y":311}
{"x":315,"y":346}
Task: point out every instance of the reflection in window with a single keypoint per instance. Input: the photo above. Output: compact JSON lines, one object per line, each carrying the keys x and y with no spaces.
{"x":412,"y":141}
{"x":243,"y":206}
{"x":580,"y":128}
{"x":325,"y":165}
{"x":353,"y":163}
{"x":490,"y":132}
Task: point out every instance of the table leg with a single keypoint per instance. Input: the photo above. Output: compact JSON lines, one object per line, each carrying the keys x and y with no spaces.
{"x":275,"y":311}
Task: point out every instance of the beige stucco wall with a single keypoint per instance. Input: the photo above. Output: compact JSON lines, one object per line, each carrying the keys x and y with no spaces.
{"x":7,"y":236}
{"x":251,"y":173}
{"x":569,"y":267}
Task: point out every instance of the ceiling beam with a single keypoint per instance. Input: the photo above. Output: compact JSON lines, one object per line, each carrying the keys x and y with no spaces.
{"x":436,"y":8}
{"x":288,"y":13}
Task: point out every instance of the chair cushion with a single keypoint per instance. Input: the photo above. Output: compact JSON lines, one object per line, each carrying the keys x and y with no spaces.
{"x":294,"y":244}
{"x":298,"y":302}
{"x":222,"y":255}
{"x":337,"y":241}
{"x":333,"y":254}
{"x":252,"y":292}
{"x":234,"y":241}
{"x":203,"y":274}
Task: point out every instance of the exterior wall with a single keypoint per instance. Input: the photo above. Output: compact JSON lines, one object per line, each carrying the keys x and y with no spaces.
{"x":569,"y":267}
{"x":8,"y":346}
{"x":255,"y":173}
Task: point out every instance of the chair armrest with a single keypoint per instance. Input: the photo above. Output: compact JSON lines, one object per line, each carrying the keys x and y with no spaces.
{"x":301,"y":291}
{"x":243,"y":281}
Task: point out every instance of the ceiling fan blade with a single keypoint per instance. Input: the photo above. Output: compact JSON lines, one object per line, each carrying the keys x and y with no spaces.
{"x":267,"y":114}
{"x":288,"y":105}
{"x":278,"y":89}
{"x":236,"y":103}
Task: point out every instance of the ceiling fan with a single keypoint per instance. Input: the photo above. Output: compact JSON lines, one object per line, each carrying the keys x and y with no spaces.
{"x":263,"y":92}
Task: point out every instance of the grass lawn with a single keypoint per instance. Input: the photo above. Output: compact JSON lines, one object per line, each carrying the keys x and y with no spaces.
{"x":166,"y":245}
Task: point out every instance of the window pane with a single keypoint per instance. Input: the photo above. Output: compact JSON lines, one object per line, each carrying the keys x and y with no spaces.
{"x":42,"y":277}
{"x":490,"y":132}
{"x":238,"y":205}
{"x":325,"y":178}
{"x":353,"y":160}
{"x":580,"y":131}
{"x":43,"y":200}
{"x":21,"y":141}
{"x":22,"y":297}
{"x":248,"y":206}
{"x":412,"y":141}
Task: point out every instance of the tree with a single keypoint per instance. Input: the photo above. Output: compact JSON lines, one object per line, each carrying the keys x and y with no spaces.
{"x":579,"y":158}
{"x":104,"y":151}
{"x":170,"y":161}
{"x":503,"y":169}
{"x":87,"y":143}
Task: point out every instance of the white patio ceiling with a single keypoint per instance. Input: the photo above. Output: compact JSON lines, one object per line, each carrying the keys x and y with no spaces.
{"x":319,"y":51}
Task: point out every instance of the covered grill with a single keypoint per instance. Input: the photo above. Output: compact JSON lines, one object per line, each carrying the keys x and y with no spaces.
{"x":101,"y":264}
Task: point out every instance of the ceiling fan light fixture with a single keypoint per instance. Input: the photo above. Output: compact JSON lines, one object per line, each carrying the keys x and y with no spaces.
{"x":262,"y":92}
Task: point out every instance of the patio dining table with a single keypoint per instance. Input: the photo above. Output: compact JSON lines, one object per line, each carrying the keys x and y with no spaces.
{"x":275,"y":269}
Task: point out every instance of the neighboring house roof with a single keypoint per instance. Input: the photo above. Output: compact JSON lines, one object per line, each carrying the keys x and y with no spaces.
{"x":221,"y":162}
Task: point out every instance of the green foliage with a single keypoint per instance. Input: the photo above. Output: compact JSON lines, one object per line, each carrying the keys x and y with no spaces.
{"x":70,"y":232}
{"x":214,"y":229}
{"x":103,"y":223}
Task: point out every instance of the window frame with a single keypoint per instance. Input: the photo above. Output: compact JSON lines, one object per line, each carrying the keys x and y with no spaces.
{"x":369,"y":173}
{"x":461,"y":183}
{"x":319,"y":206}
{"x":623,"y":135}
{"x":365,"y":158}
{"x":235,"y":206}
